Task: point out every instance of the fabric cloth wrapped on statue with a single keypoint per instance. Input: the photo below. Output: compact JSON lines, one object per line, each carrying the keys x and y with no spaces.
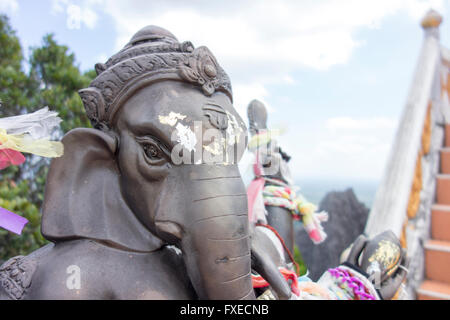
{"x":285,"y":197}
{"x":29,"y":133}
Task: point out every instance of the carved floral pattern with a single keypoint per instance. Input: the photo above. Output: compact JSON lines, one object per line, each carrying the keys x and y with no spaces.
{"x":15,"y":276}
{"x":171,"y":61}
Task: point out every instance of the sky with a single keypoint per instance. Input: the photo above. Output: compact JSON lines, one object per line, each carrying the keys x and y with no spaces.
{"x":334,"y":74}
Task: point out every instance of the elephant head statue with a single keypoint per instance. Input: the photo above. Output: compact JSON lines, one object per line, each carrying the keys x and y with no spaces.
{"x":159,"y":167}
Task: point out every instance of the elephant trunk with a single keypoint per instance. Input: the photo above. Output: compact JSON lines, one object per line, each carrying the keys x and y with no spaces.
{"x":218,"y":257}
{"x":216,"y":242}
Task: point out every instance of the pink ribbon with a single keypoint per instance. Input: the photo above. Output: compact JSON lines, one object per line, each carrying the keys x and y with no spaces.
{"x":255,"y":187}
{"x":11,"y":221}
{"x":10,"y":157}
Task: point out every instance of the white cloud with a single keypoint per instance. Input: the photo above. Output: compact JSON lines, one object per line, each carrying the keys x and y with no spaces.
{"x":343,"y":147}
{"x":73,"y":16}
{"x":260,"y":42}
{"x":76,"y":15}
{"x":317,"y":34}
{"x":103,"y":57}
{"x":348,"y":123}
{"x":416,"y":9}
{"x":244,"y":93}
{"x":58,"y":6}
{"x":10,"y":6}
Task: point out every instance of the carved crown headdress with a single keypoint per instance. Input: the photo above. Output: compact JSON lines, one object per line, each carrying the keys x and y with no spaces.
{"x":153,"y":54}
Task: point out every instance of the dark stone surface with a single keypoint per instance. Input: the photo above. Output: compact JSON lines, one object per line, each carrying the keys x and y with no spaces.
{"x":347,"y":218}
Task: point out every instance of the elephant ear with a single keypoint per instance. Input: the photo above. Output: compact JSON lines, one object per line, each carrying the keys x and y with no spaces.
{"x":83,"y":198}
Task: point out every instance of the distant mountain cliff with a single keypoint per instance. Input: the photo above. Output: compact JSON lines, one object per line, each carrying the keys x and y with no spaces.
{"x":347,"y":218}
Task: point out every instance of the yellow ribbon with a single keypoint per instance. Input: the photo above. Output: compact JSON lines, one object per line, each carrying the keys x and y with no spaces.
{"x":263,"y":138}
{"x":24,"y":143}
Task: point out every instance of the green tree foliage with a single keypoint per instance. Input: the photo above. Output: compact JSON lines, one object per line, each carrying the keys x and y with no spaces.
{"x":53,"y":80}
{"x":299,"y":259}
{"x":57,"y":80}
{"x":13,"y":81}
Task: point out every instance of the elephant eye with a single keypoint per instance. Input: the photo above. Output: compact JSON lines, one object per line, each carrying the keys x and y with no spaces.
{"x":153,"y":153}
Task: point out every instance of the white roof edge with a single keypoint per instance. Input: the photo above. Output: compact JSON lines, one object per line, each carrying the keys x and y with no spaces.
{"x":434,"y":294}
{"x":437,"y":247}
{"x":445,"y":53}
{"x":442,"y":207}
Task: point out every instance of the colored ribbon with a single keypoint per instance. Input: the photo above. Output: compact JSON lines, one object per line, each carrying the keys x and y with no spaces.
{"x":357,"y":286}
{"x":253,"y":191}
{"x":10,"y":157}
{"x":285,"y":197}
{"x":263,"y":138}
{"x":280,"y":238}
{"x":30,"y":133}
{"x":38,"y":125}
{"x":11,"y":221}
{"x":24,"y":143}
{"x":282,"y":195}
{"x":260,"y":282}
{"x":256,"y":210}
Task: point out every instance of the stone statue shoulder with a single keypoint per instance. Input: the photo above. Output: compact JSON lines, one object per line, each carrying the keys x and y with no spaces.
{"x":87,"y":269}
